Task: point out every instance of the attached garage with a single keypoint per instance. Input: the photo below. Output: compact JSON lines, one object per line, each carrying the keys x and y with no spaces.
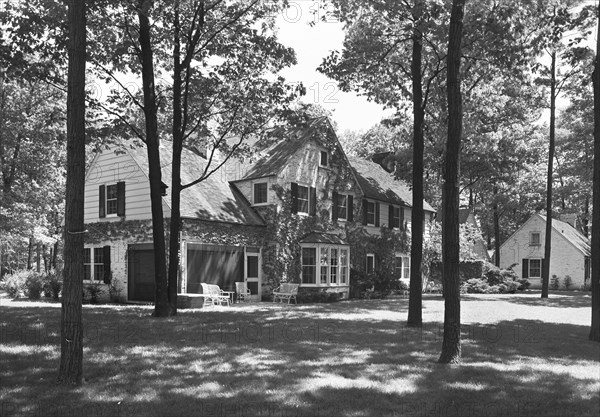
{"x":140,"y":276}
{"x":213,"y":264}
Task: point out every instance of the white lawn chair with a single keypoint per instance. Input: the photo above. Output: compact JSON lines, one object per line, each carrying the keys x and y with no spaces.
{"x":242,"y":291}
{"x":214,"y":296}
{"x":286,"y":291}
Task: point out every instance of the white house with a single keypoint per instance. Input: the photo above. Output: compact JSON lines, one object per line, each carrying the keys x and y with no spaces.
{"x":570,"y":252}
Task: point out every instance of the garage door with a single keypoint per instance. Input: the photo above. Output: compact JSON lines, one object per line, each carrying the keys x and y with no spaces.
{"x":140,"y":282}
{"x":211,"y":264}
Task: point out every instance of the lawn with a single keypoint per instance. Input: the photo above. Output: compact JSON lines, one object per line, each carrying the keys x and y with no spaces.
{"x":522,"y":356}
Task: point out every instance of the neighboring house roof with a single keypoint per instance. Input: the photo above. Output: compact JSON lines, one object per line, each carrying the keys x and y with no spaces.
{"x":377,"y":183}
{"x":572,"y":235}
{"x":213,"y":199}
{"x":288,"y":142}
{"x":319,"y":237}
{"x":463,"y":215}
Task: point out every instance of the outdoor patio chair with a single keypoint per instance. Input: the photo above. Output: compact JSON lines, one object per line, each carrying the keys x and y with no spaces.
{"x":214,"y":296}
{"x":242,"y":291}
{"x":286,"y":291}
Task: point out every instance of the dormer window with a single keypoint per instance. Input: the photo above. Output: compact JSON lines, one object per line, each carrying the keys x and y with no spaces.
{"x":260,"y":193}
{"x":324,"y":159}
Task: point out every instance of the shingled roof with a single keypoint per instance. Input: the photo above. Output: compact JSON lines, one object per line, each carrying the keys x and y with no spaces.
{"x":572,"y":235}
{"x":378,"y":184}
{"x":286,"y":142}
{"x":214,"y":199}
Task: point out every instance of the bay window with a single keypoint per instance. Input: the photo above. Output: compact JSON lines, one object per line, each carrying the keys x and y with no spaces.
{"x":332,"y":261}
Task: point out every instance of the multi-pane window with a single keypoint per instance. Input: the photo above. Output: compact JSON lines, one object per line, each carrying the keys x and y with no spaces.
{"x":309,"y":265}
{"x":260,"y":193}
{"x":342,"y":206}
{"x":332,"y":262}
{"x":535,"y":268}
{"x":333,"y":271}
{"x":370,"y":212}
{"x":343,"y":266}
{"x":87,"y":264}
{"x":396,"y":216}
{"x":324,"y":264}
{"x":111,"y":199}
{"x":93,"y":264}
{"x":303,"y":199}
{"x":534,"y":239}
{"x":402,"y":266}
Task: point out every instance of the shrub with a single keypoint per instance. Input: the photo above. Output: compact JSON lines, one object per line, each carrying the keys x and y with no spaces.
{"x":505,"y":280}
{"x":317,"y":295}
{"x":34,"y":285}
{"x":567,"y":282}
{"x":14,"y":284}
{"x":114,"y":293}
{"x":554,"y":282}
{"x":523,"y":284}
{"x":478,"y":286}
{"x":94,"y":291}
{"x":359,"y":283}
{"x":53,"y":284}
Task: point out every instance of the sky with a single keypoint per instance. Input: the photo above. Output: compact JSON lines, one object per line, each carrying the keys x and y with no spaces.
{"x":312,"y":44}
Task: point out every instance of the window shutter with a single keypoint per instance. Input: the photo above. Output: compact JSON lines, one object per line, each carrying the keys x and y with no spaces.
{"x":294,"y":190}
{"x":334,"y":206}
{"x":350,"y":208}
{"x":402,"y":226}
{"x":121,"y":198}
{"x":391,"y":216}
{"x":376,"y":214}
{"x":313,"y":201}
{"x":365,"y":211}
{"x":107,"y":270}
{"x":525,"y":268}
{"x":102,"y":201}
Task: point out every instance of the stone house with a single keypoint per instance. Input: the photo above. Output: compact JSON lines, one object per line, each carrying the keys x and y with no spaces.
{"x":570,"y":252}
{"x":288,"y":214}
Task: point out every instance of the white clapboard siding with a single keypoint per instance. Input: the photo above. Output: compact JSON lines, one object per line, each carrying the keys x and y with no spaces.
{"x":109,"y":168}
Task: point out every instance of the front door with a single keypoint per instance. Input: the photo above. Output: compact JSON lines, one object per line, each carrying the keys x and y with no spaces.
{"x":253,"y":273}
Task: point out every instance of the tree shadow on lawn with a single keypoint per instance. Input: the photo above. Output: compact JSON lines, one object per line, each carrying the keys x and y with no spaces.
{"x":573,"y":299}
{"x":272,"y":361}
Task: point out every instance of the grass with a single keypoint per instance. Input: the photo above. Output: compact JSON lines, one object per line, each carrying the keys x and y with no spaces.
{"x":522,"y":356}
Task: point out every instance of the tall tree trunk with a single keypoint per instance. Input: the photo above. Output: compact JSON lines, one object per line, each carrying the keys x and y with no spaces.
{"x":176,"y":163}
{"x":451,"y":347}
{"x":54,"y":254}
{"x":29,"y":252}
{"x":548,"y":237}
{"x":71,"y":325}
{"x":38,"y":257}
{"x":496,"y":215}
{"x":595,"y":326}
{"x":161,"y":302}
{"x":415,"y":302}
